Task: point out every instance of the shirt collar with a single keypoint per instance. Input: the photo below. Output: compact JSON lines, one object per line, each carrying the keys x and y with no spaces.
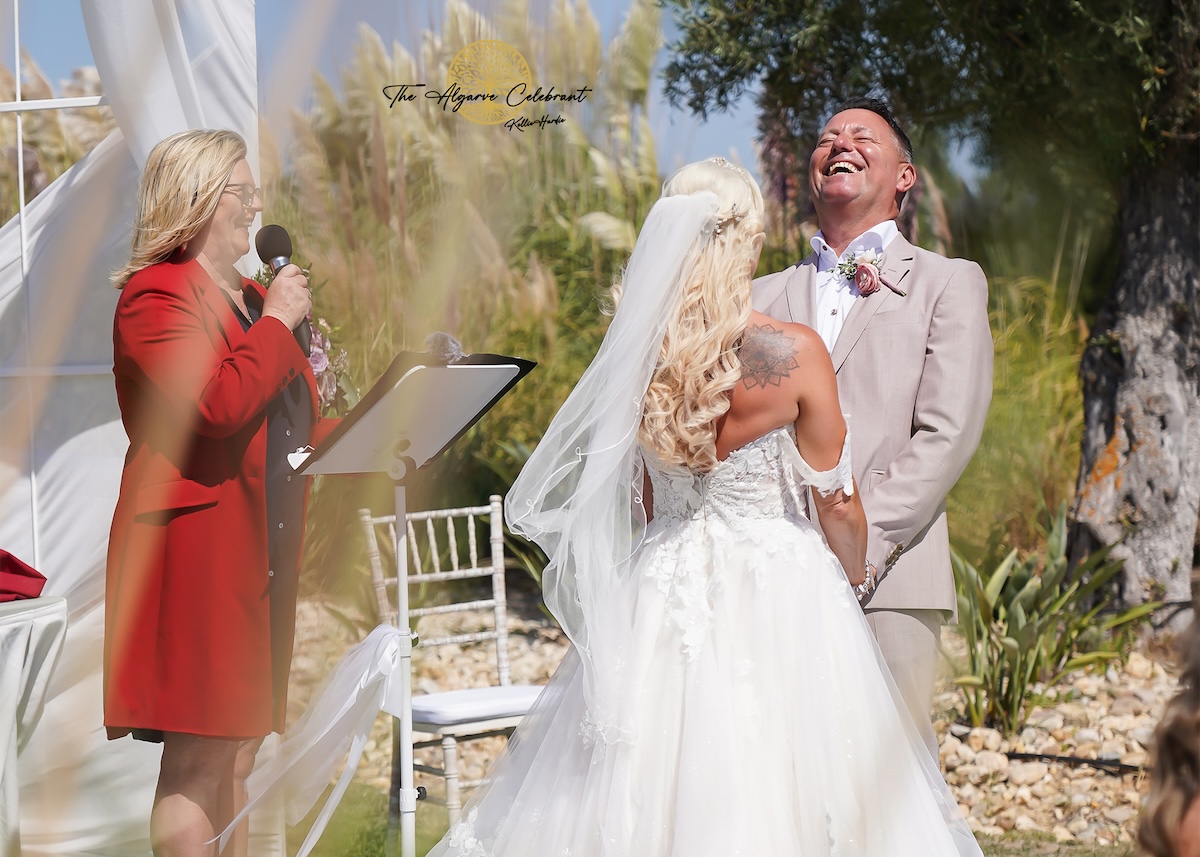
{"x":876,"y":238}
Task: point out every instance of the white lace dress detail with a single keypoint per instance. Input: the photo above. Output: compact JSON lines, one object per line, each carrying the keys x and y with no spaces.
{"x":753,"y":713}
{"x":759,"y":483}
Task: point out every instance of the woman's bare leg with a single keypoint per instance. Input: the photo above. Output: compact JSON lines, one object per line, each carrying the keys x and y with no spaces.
{"x":187,"y":805}
{"x":243,"y":765}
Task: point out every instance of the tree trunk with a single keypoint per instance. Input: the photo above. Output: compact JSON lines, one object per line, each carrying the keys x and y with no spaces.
{"x":1139,"y":477}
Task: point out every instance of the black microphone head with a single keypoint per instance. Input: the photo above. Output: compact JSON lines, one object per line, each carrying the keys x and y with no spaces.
{"x":271,"y":242}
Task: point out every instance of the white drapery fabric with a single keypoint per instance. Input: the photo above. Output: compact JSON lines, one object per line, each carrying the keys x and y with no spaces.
{"x":334,"y":731}
{"x":165,"y":66}
{"x":31,"y":636}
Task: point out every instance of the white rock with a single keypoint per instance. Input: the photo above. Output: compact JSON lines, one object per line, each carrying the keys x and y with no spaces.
{"x":1126,"y":706}
{"x":1087,"y":686}
{"x":1042,"y":790}
{"x":1073,"y":712}
{"x":1136,"y":758}
{"x":1027,"y":773}
{"x":1061,"y":834}
{"x":1115,"y":723}
{"x":971,"y":773}
{"x":1048,"y":720}
{"x":1119,"y":814}
{"x":1139,"y":666}
{"x":1077,"y":825}
{"x":1050,"y":747}
{"x":991,"y":762}
{"x":1144,"y":735}
{"x":1111,"y":750}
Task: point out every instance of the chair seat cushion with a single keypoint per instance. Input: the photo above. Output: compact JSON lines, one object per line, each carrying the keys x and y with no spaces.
{"x":453,"y":707}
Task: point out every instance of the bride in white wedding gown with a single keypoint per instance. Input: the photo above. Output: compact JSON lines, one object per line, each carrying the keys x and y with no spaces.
{"x":724,"y":695}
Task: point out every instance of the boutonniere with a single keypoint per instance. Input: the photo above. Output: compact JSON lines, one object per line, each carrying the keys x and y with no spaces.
{"x":863,"y":270}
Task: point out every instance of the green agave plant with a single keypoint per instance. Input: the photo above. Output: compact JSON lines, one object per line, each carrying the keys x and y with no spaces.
{"x":1034,"y":619}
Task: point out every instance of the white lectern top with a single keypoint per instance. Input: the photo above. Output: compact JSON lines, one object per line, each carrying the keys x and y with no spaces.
{"x":414,"y":412}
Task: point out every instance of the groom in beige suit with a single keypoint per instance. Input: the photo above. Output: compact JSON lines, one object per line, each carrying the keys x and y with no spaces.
{"x":913,"y":354}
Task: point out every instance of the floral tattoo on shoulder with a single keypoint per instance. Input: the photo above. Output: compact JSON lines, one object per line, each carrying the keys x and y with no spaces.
{"x":768,"y":356}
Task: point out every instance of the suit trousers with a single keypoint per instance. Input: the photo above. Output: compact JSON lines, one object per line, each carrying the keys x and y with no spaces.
{"x":910,"y":641}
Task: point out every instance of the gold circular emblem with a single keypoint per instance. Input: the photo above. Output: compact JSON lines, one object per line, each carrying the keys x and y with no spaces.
{"x":485,"y":73}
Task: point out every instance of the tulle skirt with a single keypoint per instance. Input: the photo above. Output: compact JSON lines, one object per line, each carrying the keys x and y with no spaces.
{"x":757,"y":718}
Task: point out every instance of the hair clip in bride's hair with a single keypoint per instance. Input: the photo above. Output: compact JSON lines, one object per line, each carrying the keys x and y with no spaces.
{"x":734,"y":216}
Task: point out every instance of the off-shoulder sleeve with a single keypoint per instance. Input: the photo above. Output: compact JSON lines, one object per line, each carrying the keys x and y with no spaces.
{"x":841,"y":477}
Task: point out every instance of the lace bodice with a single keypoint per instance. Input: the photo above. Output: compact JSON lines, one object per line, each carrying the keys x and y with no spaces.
{"x":763,"y":479}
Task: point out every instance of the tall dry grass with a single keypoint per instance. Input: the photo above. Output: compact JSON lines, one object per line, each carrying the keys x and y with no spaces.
{"x":415,"y":220}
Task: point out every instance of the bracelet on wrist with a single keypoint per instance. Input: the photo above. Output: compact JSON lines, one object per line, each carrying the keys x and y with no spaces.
{"x":868,"y":585}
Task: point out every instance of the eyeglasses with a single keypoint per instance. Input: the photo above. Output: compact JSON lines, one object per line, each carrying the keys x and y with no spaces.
{"x":245,"y":193}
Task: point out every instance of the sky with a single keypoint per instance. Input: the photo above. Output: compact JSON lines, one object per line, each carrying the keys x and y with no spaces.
{"x":53,"y":34}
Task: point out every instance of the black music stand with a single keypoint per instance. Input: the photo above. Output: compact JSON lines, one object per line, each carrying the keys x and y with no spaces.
{"x":416,"y":410}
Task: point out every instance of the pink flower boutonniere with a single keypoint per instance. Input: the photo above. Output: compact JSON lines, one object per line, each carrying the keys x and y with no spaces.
{"x":866,"y":278}
{"x":863,"y":269}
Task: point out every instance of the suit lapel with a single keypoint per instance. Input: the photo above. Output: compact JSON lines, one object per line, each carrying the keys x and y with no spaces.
{"x":897,"y":263}
{"x":801,"y":292}
{"x":209,"y":295}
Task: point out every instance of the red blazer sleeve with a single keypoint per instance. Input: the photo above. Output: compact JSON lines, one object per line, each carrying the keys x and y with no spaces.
{"x":169,"y":331}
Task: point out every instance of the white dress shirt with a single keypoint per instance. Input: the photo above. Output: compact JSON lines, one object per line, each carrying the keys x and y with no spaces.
{"x":836,"y":294}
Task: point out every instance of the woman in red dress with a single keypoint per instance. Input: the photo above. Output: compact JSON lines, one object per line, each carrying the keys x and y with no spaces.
{"x":214,"y":391}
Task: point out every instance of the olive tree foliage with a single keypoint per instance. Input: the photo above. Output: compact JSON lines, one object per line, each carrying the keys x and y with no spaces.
{"x":1092,"y":102}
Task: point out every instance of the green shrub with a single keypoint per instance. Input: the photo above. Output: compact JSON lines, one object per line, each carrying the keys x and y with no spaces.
{"x":1033,"y":619}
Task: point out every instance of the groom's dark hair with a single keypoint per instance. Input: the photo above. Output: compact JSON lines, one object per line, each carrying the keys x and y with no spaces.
{"x":880,"y":107}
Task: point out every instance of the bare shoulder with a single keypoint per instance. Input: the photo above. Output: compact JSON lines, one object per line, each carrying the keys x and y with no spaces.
{"x":773,"y":351}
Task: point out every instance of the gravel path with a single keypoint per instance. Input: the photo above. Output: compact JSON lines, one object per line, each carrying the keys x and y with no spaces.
{"x":1108,"y":715}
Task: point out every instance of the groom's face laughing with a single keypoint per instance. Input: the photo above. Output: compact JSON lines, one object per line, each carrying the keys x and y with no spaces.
{"x":857,"y":161}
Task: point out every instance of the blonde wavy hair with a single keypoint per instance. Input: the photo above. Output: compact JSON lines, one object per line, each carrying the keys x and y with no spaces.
{"x":1176,"y":755}
{"x":698,"y":363}
{"x":178,"y":194}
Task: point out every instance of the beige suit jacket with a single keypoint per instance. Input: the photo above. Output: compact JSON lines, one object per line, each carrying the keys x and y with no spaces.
{"x":915,"y":376}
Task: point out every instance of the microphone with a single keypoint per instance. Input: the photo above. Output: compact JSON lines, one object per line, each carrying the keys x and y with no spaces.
{"x":274,"y":248}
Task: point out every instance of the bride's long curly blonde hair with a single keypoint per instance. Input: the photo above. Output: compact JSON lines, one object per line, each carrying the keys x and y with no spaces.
{"x":698,"y":364}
